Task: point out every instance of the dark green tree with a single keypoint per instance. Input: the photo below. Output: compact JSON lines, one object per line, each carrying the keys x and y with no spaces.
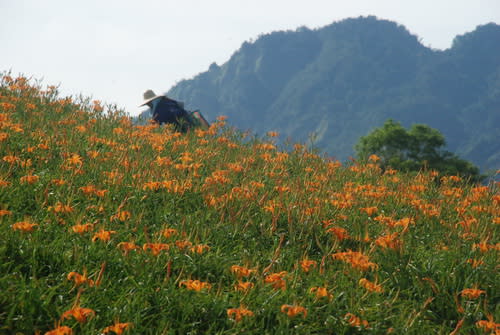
{"x":420,"y":147}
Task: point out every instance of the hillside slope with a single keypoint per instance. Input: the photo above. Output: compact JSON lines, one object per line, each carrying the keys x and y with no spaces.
{"x":107,"y":227}
{"x":343,"y":80}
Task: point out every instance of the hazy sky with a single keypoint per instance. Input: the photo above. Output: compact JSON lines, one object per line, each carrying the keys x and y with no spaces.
{"x":115,"y":50}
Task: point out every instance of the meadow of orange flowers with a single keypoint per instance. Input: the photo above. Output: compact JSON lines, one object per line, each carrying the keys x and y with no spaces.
{"x":115,"y":228}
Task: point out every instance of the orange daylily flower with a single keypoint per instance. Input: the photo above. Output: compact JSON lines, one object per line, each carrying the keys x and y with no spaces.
{"x":471,"y":293}
{"x":199,"y":248}
{"x":26,"y":163}
{"x":483,"y":246}
{"x":126,"y":247}
{"x":79,"y":314}
{"x":100,"y":193}
{"x":61,"y":330}
{"x":294,"y":310}
{"x":340,"y":233}
{"x":306,"y":264}
{"x":241,"y":271}
{"x":24,"y":226}
{"x":356,"y":321}
{"x":371,"y":286}
{"x":163,"y":161}
{"x":489,"y":325}
{"x":75,"y":160}
{"x":80,"y":279}
{"x":121,"y":216}
{"x":235,"y":167}
{"x":103,"y":235}
{"x":118,"y":328}
{"x":276,"y":279}
{"x":89,"y":189}
{"x":43,"y":146}
{"x":356,"y":259}
{"x":237,"y":314}
{"x":321,"y":292}
{"x":167,"y":233}
{"x":81,"y":129}
{"x":30,"y":179}
{"x":257,"y":184}
{"x":271,"y":207}
{"x":181,"y":245}
{"x":97,"y":106}
{"x":4,"y":183}
{"x":243,"y":286}
{"x":404,"y":222}
{"x":195,"y":285}
{"x":369,"y":210}
{"x":155,"y":248}
{"x":60,"y":208}
{"x":11,"y":159}
{"x":389,"y":241}
{"x":475,"y":262}
{"x":58,"y":182}
{"x":82,"y":228}
{"x":4,"y":212}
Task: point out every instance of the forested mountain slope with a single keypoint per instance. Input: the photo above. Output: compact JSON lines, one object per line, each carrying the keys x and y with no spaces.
{"x":343,"y":80}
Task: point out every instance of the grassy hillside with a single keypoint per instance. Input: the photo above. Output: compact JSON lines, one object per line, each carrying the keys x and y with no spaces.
{"x":106,"y":227}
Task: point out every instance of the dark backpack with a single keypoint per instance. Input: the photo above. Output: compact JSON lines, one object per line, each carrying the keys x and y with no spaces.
{"x":171,"y":112}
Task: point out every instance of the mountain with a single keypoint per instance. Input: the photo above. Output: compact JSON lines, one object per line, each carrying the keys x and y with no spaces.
{"x":341,"y":81}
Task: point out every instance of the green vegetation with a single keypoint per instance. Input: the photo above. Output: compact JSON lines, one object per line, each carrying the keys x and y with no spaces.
{"x":416,"y":149}
{"x":109,"y":227}
{"x":340,"y":81}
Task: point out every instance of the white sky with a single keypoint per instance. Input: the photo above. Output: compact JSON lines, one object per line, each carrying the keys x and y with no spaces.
{"x":115,"y":50}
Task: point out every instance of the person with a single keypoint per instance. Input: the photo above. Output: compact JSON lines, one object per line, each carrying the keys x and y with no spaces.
{"x":166,"y":110}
